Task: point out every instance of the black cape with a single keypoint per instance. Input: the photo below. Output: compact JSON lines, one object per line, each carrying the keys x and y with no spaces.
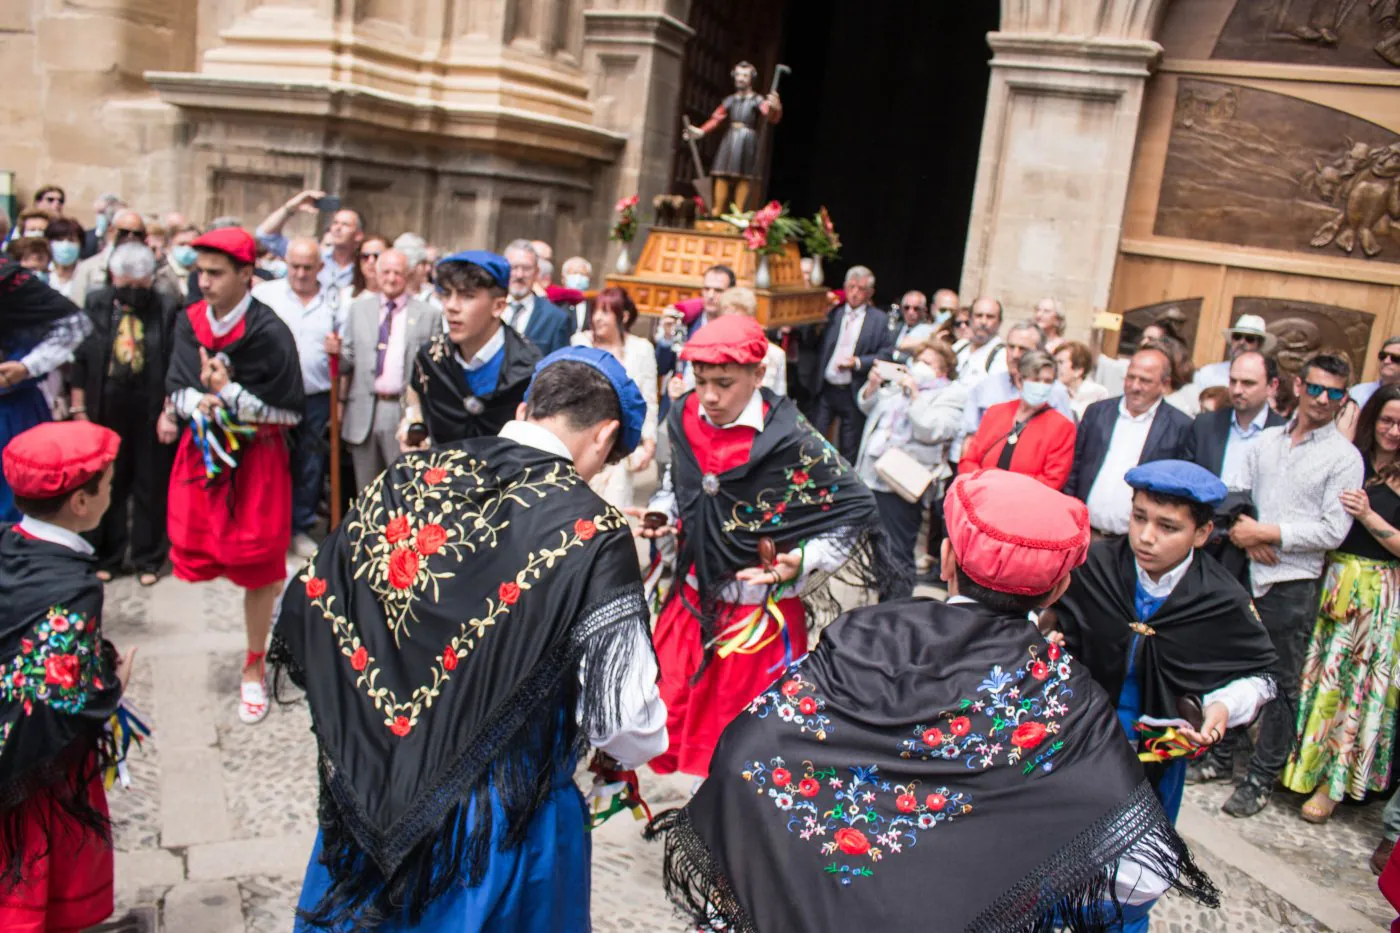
{"x":264,"y":358}
{"x":444,"y":394}
{"x":1207,"y":633}
{"x":58,"y":687}
{"x":29,"y":309}
{"x":927,"y":767}
{"x":793,"y":487}
{"x":438,"y":633}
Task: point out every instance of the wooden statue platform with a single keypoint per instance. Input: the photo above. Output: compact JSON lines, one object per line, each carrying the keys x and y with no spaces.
{"x":673,"y":261}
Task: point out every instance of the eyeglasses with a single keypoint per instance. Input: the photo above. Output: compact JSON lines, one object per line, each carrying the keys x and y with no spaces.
{"x":1387,"y":357}
{"x":920,"y":308}
{"x":1387,"y":424}
{"x":962,"y":322}
{"x":364,"y":256}
{"x":1333,"y":395}
{"x":122,"y":235}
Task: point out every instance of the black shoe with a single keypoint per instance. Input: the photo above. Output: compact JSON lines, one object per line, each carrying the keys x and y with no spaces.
{"x":1207,"y":770}
{"x":1250,"y":797}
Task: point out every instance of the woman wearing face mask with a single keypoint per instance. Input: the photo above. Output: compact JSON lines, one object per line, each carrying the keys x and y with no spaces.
{"x":919,"y":413}
{"x":1025,"y":435}
{"x":65,"y":238}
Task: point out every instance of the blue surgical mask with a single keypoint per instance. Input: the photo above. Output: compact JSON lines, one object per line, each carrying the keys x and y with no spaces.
{"x":41,"y":274}
{"x":65,"y":252}
{"x":277,"y":267}
{"x":100,"y":228}
{"x":184,"y":255}
{"x":577,"y":281}
{"x":1036,"y":394}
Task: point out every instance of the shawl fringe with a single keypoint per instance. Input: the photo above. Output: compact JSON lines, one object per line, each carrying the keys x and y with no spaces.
{"x":1072,"y":891}
{"x":514,"y":761}
{"x":64,"y":780}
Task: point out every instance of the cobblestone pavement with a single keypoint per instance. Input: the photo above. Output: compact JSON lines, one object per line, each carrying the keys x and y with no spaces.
{"x":214,"y":835}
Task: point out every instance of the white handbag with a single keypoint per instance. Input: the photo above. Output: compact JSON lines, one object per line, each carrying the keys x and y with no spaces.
{"x":908,"y":477}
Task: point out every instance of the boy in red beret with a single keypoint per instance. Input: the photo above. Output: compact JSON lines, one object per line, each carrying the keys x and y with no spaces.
{"x":60,"y":682}
{"x":764,"y":511}
{"x":236,"y":379}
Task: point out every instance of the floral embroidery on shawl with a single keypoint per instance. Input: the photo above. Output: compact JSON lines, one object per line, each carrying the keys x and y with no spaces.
{"x":766,"y":512}
{"x":795,"y":701}
{"x":59,"y":663}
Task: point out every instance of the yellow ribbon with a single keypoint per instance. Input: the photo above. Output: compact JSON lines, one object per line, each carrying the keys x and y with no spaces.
{"x":752,"y":634}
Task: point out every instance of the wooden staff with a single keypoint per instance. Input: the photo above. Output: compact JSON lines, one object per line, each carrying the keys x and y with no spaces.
{"x":335,"y":440}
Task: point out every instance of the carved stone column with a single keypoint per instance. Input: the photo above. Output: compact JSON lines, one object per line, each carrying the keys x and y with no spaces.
{"x":1057,"y":146}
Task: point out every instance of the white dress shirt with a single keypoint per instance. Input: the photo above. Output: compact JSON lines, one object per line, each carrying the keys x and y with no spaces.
{"x":974,"y":366}
{"x":1234,"y":468}
{"x":641,"y":733}
{"x":310,"y":323}
{"x":54,"y":534}
{"x":852,"y":320}
{"x":518,"y":311}
{"x":1110,"y":499}
{"x":486,"y":354}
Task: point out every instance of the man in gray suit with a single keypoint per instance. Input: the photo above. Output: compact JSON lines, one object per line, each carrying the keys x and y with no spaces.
{"x":382,"y":334}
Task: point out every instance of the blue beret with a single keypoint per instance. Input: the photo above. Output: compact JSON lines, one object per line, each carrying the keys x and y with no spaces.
{"x":1178,"y":478}
{"x":496,"y":265}
{"x":629,"y":397}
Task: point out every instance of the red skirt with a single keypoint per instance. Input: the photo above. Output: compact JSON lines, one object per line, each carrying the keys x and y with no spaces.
{"x":239,"y":528}
{"x":696,"y":713}
{"x":67,"y":883}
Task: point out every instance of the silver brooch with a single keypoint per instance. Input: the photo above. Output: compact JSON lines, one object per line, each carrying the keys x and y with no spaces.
{"x":474,"y":405}
{"x":710,"y":484}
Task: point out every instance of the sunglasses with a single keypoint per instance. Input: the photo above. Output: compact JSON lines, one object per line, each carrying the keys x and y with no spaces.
{"x":1247,"y":338}
{"x":1386,"y":357}
{"x":123,"y":235}
{"x":1333,"y":395}
{"x":919,"y":308}
{"x":364,"y":256}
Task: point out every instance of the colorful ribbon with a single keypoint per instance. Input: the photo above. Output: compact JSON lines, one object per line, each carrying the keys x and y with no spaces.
{"x":218,"y":438}
{"x":755,"y":632}
{"x":614,"y":791}
{"x":1165,"y":744}
{"x":124,"y":726}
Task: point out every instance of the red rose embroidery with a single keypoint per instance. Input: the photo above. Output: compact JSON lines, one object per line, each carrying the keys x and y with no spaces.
{"x":933,"y":736}
{"x":315,"y":587}
{"x":808,"y":787}
{"x":905,"y":803}
{"x":97,"y":684}
{"x":935,"y":802}
{"x":359,"y":659}
{"x":1028,"y":735}
{"x":403,"y":568}
{"x":26,"y":645}
{"x":1039,"y":670}
{"x":401,"y":726}
{"x":449,"y":659}
{"x":960,"y":726}
{"x":1054,"y":652}
{"x":510,"y":592}
{"x":585,"y":529}
{"x":61,"y":670}
{"x":59,"y":623}
{"x":791,"y":688}
{"x":434,"y":476}
{"x":431,"y":538}
{"x":851,"y":841}
{"x":782,"y":777}
{"x":396,"y":530}
{"x":807,"y":705}
{"x":799,"y":477}
{"x":18,"y":679}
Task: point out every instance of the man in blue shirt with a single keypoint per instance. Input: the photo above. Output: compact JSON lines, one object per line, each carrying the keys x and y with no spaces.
{"x":347,"y":231}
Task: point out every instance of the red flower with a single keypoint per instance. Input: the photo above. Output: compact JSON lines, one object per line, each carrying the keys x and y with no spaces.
{"x":59,"y":623}
{"x":26,"y":645}
{"x":807,"y":705}
{"x":792,"y":688}
{"x":808,"y":787}
{"x":431,"y":538}
{"x":905,"y":803}
{"x":509,"y":592}
{"x":449,"y":658}
{"x":585,"y":529}
{"x":933,"y":736}
{"x":434,"y":475}
{"x":359,"y":659}
{"x":960,"y":726}
{"x":782,"y":777}
{"x":935,"y":802}
{"x":780,"y":508}
{"x":1039,"y":670}
{"x":403,"y":568}
{"x":61,"y":670}
{"x":97,"y":683}
{"x":18,"y":679}
{"x":1028,"y":735}
{"x":799,"y":477}
{"x":767,"y":516}
{"x":401,"y":726}
{"x":1054,"y":652}
{"x":396,"y":530}
{"x":315,"y":587}
{"x":851,"y":841}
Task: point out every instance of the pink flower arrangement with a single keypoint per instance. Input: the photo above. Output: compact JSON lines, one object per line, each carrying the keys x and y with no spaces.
{"x":766,"y":230}
{"x":625,"y":228}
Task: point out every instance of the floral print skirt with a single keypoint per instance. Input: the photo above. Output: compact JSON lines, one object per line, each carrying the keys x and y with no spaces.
{"x":1347,"y":702}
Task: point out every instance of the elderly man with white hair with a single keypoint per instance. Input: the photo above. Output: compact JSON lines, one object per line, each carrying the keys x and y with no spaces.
{"x":856,"y":334}
{"x":119,"y":382}
{"x":533,"y":316}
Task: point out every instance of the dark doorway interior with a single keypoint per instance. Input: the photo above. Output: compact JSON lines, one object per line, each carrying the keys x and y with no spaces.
{"x":882,"y":123}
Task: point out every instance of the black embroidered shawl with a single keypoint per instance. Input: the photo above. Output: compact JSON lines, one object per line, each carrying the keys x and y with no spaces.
{"x":58,"y":687}
{"x":438,"y":634}
{"x":261,"y":348}
{"x":927,"y":767}
{"x":794,"y":487}
{"x":1205,"y":635}
{"x":442,"y":388}
{"x":29,"y":308}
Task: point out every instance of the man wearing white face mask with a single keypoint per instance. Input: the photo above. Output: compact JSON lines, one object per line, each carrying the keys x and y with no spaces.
{"x":578,"y":276}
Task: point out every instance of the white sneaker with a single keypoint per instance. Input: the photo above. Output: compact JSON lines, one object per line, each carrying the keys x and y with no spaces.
{"x":252,"y":702}
{"x":304,"y":546}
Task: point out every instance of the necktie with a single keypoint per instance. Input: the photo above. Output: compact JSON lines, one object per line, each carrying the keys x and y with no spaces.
{"x":385,"y":323}
{"x":516,"y":306}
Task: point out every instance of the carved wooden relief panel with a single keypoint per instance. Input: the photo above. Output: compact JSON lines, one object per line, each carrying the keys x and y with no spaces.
{"x":1351,"y":33}
{"x":1305,"y":328}
{"x":1255,"y":168}
{"x":1184,"y":316}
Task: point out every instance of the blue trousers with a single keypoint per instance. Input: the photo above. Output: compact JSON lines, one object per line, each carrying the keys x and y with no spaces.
{"x":20,"y":409}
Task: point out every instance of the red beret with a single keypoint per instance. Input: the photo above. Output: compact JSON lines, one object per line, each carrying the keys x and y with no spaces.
{"x":55,"y":458}
{"x":1013,"y":534}
{"x":559,"y":295}
{"x":234,"y":242}
{"x":730,"y":338}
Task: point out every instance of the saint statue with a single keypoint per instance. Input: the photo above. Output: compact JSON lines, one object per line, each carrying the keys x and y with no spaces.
{"x":736,"y":162}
